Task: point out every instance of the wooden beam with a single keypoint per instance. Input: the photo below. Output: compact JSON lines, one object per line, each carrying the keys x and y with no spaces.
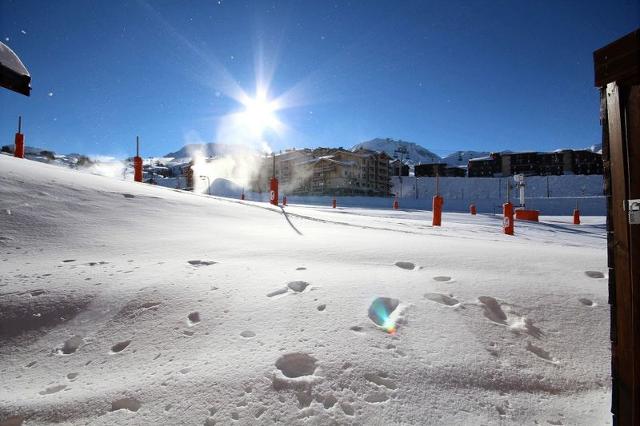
{"x":618,"y":61}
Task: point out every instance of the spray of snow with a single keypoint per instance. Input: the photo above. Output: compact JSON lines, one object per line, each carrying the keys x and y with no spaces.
{"x":238,"y":162}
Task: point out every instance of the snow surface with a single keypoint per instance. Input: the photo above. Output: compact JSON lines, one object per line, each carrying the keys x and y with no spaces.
{"x":126,"y":303}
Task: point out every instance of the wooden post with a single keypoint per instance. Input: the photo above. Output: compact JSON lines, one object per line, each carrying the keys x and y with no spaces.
{"x":617,"y":74}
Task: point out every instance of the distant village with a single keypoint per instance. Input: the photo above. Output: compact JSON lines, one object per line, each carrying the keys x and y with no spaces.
{"x":367,"y":172}
{"x":359,"y":171}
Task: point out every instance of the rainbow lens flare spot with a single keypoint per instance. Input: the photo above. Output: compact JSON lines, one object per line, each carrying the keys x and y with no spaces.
{"x":380,"y":312}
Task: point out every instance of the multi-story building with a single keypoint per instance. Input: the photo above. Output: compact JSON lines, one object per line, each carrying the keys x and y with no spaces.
{"x":485,"y":166}
{"x":438,"y":169}
{"x":581,"y":162}
{"x":326,"y":171}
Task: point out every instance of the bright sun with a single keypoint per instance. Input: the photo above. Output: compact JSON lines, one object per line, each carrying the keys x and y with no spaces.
{"x":259,"y":114}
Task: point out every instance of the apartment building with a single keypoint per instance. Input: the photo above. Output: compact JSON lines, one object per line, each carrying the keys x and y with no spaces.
{"x":327,"y":171}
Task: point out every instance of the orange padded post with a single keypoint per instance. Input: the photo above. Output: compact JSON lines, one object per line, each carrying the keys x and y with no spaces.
{"x":396,"y":205}
{"x":137,"y":163}
{"x":438,"y":201}
{"x":507,"y":221}
{"x":273,"y":191}
{"x":284,"y":200}
{"x":19,"y":141}
{"x":137,"y":169}
{"x":472,"y":209}
{"x":576,"y":217}
{"x":334,"y":203}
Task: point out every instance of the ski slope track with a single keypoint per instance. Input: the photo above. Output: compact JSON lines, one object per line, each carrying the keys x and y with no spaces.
{"x":124,"y":303}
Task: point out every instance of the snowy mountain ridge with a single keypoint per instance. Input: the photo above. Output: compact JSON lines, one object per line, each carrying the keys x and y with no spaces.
{"x":415,"y":154}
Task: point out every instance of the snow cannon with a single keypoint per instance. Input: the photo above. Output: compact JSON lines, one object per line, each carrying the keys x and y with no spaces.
{"x":284,"y":200}
{"x":576,"y":217}
{"x":137,"y":163}
{"x":396,"y":205}
{"x":334,"y":203}
{"x":473,"y":210}
{"x":507,"y":221}
{"x":438,"y":201}
{"x":19,"y":148}
{"x":273,"y":191}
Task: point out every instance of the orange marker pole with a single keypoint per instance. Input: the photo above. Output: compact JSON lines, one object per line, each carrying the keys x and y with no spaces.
{"x":273,"y":191}
{"x":19,"y":141}
{"x":576,"y":217}
{"x":334,"y":203}
{"x":507,"y":221}
{"x":438,"y":201}
{"x":472,"y":209}
{"x":396,"y":205}
{"x":137,"y":163}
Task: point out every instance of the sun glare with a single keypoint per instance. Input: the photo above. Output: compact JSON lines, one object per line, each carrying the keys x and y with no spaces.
{"x":259,"y":114}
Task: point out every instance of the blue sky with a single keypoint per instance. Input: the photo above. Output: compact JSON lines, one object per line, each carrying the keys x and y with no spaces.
{"x":448,"y":75}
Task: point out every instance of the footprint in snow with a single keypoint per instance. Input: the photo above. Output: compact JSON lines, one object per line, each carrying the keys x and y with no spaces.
{"x":193,"y":318}
{"x":442,"y":278}
{"x":405,"y":265}
{"x":381,"y":378}
{"x":71,"y":345}
{"x":120,"y":346}
{"x":541,"y":353}
{"x":295,"y":286}
{"x":296,"y":364}
{"x":125,"y":195}
{"x":52,"y":389}
{"x":201,"y":262}
{"x":248,"y":334}
{"x":442,"y":299}
{"x":594,"y":274}
{"x":298,"y":286}
{"x":587,"y":302}
{"x":492,"y":309}
{"x":130,"y":404}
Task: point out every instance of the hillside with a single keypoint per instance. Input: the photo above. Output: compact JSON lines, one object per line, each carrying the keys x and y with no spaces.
{"x":416,"y":154}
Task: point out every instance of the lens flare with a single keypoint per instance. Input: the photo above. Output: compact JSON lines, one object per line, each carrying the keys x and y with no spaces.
{"x":382,"y":313}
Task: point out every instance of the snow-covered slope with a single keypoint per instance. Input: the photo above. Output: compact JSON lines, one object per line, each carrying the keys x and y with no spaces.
{"x":416,"y":154}
{"x":461,"y":158}
{"x":126,"y":303}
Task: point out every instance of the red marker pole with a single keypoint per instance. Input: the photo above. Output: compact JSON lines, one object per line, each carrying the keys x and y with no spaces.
{"x":284,"y":200}
{"x":473,"y":210}
{"x":334,"y":203}
{"x":576,"y":215}
{"x":438,"y":201}
{"x":273,"y":191}
{"x":19,"y":141}
{"x":507,"y":220}
{"x":396,"y":205}
{"x":137,"y":163}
